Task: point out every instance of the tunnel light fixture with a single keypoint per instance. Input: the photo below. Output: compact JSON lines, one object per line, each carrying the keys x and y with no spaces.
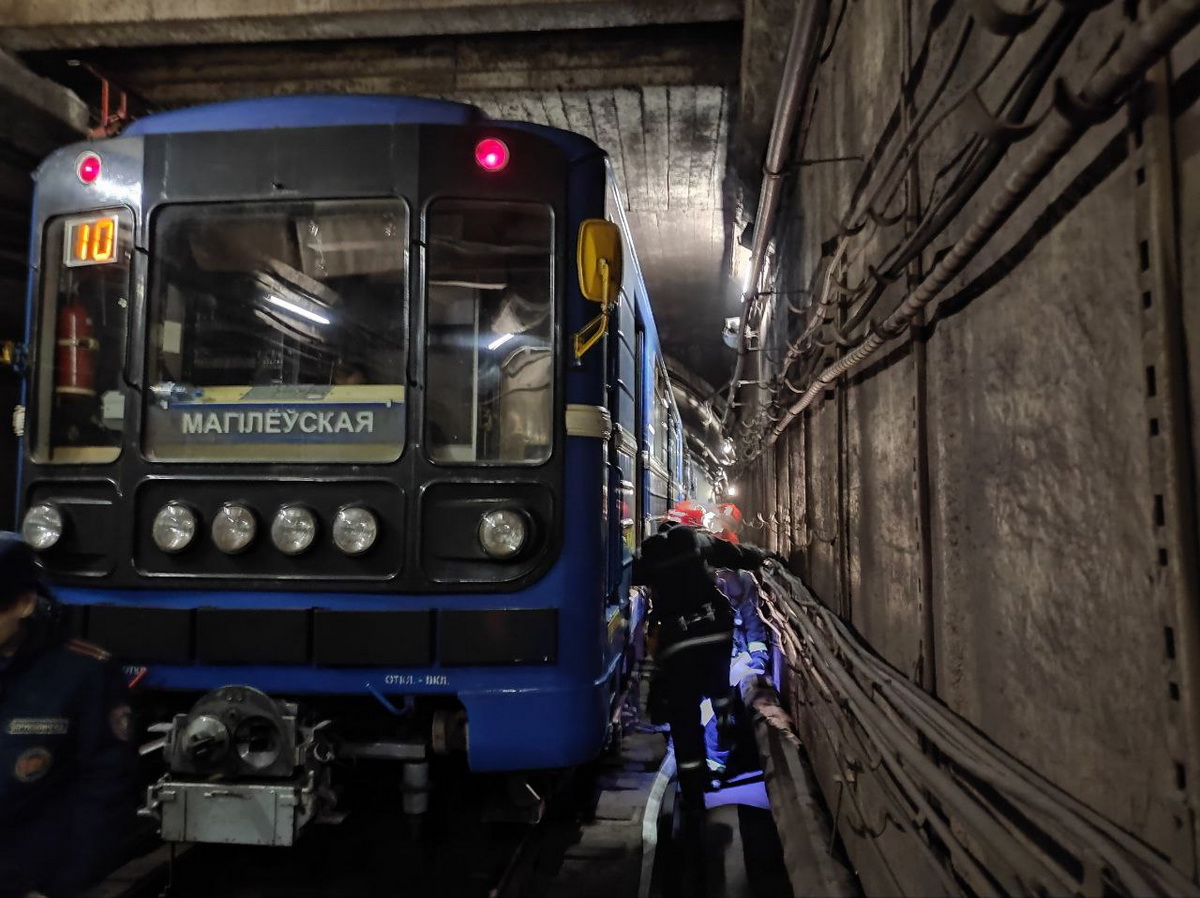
{"x":500,"y":341}
{"x":491,"y":154}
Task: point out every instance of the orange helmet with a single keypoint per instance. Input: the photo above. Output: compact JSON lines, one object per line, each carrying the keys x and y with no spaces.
{"x":688,"y":513}
{"x":731,"y":511}
{"x":726,"y":522}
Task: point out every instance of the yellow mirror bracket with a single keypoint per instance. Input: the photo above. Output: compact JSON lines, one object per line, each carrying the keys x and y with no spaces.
{"x":591,"y":333}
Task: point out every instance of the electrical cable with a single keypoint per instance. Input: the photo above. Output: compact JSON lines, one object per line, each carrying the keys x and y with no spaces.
{"x":977,"y":781}
{"x":1021,"y":94}
{"x":1103,"y":90}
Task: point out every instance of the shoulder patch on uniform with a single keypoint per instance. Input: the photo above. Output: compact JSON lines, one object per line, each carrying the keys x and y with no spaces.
{"x":32,"y":765}
{"x":82,"y":647}
{"x":37,"y":726}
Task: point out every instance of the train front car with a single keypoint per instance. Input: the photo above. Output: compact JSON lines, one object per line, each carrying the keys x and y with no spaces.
{"x":307,"y":444}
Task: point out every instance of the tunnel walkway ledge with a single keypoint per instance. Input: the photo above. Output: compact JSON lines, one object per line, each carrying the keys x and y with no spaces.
{"x":801,"y":818}
{"x":923,"y":802}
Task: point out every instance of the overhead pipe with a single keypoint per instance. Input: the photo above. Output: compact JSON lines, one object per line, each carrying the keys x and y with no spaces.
{"x":807,"y":26}
{"x":1140,"y":48}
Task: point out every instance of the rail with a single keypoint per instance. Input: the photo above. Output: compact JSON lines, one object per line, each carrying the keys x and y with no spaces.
{"x":924,"y":802}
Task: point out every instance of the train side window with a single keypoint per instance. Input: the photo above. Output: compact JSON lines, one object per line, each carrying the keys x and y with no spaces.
{"x":79,"y":413}
{"x":489,"y":332}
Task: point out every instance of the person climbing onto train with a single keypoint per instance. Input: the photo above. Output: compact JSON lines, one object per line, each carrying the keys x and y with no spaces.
{"x":68,"y":767}
{"x":694,"y":641}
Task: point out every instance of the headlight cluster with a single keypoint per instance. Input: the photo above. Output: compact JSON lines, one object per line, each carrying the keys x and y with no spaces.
{"x":235,"y":528}
{"x":503,"y":533}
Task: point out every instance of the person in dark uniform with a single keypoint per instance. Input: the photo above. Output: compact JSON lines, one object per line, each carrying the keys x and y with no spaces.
{"x":68,"y":767}
{"x":694,"y":641}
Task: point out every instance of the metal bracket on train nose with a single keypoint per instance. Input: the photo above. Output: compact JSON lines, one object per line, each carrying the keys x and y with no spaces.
{"x":261,"y":813}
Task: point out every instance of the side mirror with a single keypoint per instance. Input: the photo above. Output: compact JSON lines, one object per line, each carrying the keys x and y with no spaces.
{"x":600,"y":261}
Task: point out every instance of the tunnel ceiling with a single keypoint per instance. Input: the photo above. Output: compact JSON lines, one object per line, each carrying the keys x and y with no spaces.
{"x":656,"y":83}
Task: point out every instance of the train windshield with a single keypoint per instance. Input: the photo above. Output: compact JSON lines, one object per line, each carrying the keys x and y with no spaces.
{"x":79,"y":411}
{"x":490,"y":364}
{"x":277,"y":332}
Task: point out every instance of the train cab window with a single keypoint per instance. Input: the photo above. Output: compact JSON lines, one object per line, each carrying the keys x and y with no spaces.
{"x":277,"y":332}
{"x":79,"y":383}
{"x":490,"y":356}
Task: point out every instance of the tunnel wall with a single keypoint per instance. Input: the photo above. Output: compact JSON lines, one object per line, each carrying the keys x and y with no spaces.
{"x":1001,"y":503}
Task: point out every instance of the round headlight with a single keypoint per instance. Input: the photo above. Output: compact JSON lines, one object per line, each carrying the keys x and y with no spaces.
{"x":503,"y":533}
{"x":42,"y":526}
{"x":234,"y":528}
{"x":174,"y":527}
{"x":354,"y":529}
{"x":293,"y":529}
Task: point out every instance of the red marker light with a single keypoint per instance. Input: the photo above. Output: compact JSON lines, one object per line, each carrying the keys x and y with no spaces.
{"x":491,"y":154}
{"x":87,"y":167}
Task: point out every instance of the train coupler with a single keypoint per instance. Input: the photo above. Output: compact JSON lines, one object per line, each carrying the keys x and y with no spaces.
{"x":241,"y":770}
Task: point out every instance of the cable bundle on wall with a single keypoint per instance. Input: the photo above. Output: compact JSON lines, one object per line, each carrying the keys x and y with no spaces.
{"x":981,"y":821}
{"x":838,"y":317}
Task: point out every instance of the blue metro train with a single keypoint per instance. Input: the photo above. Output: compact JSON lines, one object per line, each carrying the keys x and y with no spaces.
{"x":343,"y":416}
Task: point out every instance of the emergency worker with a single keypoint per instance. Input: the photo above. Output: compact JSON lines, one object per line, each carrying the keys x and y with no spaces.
{"x":694,"y":641}
{"x":67,"y":764}
{"x":751,"y":651}
{"x":751,"y":645}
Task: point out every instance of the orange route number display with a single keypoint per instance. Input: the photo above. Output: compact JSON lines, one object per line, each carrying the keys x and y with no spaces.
{"x":91,"y":241}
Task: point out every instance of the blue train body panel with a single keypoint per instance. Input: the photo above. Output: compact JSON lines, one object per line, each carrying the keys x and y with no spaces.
{"x":307,"y":112}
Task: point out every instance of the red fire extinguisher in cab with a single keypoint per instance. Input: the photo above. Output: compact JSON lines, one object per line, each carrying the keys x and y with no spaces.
{"x":75,"y":360}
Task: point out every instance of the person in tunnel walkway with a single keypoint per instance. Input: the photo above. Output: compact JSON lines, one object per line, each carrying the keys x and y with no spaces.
{"x":68,"y":766}
{"x":694,"y":643}
{"x":750,"y":656}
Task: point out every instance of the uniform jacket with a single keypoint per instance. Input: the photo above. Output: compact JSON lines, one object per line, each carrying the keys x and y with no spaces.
{"x":749,"y":633}
{"x":677,"y":565}
{"x":67,"y":764}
